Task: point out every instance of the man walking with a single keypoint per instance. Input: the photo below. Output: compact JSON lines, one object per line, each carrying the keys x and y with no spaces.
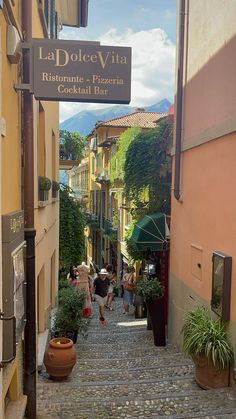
{"x":100,"y":291}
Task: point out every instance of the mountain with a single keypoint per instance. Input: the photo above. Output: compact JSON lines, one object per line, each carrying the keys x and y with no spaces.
{"x":84,"y":121}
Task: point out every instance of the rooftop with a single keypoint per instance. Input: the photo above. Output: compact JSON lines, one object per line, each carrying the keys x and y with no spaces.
{"x":141,"y":118}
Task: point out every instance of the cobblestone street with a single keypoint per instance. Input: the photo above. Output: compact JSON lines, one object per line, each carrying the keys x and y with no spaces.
{"x":121,"y":374}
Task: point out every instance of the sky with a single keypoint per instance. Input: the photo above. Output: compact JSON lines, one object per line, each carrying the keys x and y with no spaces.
{"x":149,"y":27}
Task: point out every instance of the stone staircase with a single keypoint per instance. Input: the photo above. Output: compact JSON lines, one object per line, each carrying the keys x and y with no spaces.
{"x":121,"y":374}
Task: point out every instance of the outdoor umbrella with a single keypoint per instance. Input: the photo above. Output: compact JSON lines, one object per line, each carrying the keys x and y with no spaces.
{"x":151,"y":232}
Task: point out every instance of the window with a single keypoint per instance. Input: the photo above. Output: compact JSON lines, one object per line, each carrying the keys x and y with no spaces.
{"x":51,"y":18}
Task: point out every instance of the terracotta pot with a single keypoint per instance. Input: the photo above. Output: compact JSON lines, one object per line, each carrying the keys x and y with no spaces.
{"x":59,"y":358}
{"x":156,"y":311}
{"x":208,"y":376}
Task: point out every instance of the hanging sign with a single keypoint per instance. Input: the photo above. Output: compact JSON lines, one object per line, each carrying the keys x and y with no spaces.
{"x":81,"y":72}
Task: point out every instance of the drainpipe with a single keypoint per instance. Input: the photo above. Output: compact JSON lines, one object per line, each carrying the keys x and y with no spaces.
{"x":30,"y":364}
{"x":179,"y":107}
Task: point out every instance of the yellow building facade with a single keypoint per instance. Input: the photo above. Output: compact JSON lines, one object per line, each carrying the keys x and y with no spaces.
{"x":46,"y":19}
{"x":109,"y":215}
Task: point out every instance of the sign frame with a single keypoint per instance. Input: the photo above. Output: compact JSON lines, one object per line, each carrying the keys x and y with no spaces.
{"x":80,"y":71}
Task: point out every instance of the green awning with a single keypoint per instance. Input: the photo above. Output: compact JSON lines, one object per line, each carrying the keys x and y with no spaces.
{"x":151,"y":232}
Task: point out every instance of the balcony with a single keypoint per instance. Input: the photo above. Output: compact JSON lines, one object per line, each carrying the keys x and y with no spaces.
{"x":108,"y":141}
{"x":109,"y":229}
{"x":103,"y":177}
{"x":92,"y":220}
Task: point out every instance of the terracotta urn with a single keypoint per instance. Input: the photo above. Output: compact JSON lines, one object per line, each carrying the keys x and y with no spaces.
{"x":59,"y":358}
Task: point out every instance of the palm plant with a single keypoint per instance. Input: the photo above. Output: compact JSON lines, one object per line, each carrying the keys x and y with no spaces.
{"x":203,"y":336}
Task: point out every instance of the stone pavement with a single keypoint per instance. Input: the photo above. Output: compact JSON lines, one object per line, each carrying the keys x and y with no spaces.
{"x":121,"y":374}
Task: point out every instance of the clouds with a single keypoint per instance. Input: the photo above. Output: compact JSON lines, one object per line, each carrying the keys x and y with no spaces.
{"x":153,"y":57}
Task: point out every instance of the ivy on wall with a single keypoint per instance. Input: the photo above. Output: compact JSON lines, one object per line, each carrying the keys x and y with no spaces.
{"x":71,"y":233}
{"x":117,"y":161}
{"x":148,"y":167}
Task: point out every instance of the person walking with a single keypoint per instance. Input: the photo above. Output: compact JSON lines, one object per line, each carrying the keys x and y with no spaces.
{"x":110,"y":289}
{"x":129,"y":286}
{"x":122,"y":274}
{"x":72,"y":276}
{"x":100,"y":291}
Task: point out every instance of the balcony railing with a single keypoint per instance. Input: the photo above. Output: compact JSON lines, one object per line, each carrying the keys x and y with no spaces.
{"x":109,"y":229}
{"x":102,"y":177}
{"x":92,"y":220}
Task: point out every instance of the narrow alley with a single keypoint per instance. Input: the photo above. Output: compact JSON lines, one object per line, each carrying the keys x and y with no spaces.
{"x":121,"y":374}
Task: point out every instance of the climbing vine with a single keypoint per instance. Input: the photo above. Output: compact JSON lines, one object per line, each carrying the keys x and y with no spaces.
{"x":117,"y":161}
{"x":148,"y":167}
{"x":72,"y":222}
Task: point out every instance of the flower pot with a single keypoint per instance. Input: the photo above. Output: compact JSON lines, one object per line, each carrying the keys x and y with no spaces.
{"x":156,"y":310}
{"x":54,"y":193}
{"x":140,"y":307}
{"x":43,"y":195}
{"x":208,"y":376}
{"x":59,"y":358}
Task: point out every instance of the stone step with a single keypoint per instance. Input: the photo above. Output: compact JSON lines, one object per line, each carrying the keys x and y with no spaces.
{"x":126,"y":363}
{"x":191,"y":404}
{"x":152,"y":373}
{"x":124,"y":390}
{"x":120,"y":374}
{"x":149,"y":373}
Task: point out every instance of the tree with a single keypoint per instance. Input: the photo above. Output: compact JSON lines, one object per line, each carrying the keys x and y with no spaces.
{"x":71,"y":145}
{"x":147,"y":168}
{"x":72,"y":223}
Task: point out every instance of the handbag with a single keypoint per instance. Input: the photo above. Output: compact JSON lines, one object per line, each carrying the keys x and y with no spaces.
{"x":129,"y":287}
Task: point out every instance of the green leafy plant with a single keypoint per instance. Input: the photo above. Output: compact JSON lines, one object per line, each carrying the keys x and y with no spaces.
{"x":131,"y":249}
{"x":71,"y":145}
{"x":71,"y":233}
{"x":44,"y":183}
{"x":69,"y":316}
{"x":117,"y":161}
{"x":205,"y":336}
{"x":148,"y":167}
{"x":149,"y":288}
{"x":55,"y":185}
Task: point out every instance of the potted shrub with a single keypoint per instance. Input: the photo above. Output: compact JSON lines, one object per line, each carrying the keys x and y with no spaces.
{"x":44,"y":186}
{"x":55,"y":188}
{"x":205,"y":340}
{"x":69,"y":317}
{"x":152,"y":291}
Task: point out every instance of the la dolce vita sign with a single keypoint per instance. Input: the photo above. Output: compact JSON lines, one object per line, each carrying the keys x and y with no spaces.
{"x":80,"y":71}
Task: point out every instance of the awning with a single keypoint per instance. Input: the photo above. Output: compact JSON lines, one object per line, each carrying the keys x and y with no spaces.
{"x":151,"y":232}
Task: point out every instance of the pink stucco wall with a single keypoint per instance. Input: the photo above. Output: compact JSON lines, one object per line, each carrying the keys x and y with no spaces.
{"x":206,"y":218}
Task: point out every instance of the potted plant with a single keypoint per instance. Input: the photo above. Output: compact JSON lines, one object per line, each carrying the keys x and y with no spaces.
{"x":44,"y":186}
{"x":55,"y":188}
{"x":205,"y":340}
{"x":69,"y":317}
{"x":152,"y":291}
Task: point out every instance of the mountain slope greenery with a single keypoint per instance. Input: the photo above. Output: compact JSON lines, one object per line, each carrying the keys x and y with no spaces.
{"x":84,"y":121}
